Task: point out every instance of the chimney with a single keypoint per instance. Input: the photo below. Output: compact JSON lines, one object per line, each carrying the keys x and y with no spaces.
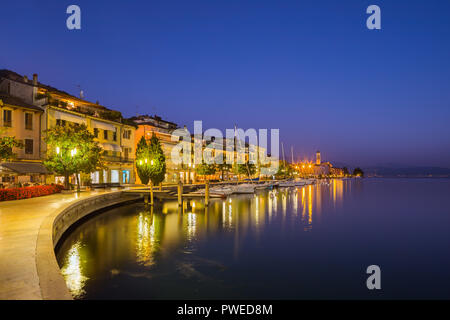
{"x":35,"y":82}
{"x":25,"y":79}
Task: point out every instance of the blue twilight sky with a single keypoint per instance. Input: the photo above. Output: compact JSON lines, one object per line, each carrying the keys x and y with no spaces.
{"x":310,"y":68}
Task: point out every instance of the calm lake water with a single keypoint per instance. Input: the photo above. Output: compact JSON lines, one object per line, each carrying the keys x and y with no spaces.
{"x":299,"y":243}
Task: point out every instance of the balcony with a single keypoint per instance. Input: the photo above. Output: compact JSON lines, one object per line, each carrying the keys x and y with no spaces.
{"x":112,"y":158}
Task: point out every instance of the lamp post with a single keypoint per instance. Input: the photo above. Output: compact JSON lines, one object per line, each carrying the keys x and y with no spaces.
{"x":73,"y":153}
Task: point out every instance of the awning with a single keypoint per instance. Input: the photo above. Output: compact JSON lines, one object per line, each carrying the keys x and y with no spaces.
{"x":111,"y":147}
{"x":24,"y":168}
{"x":69,"y":117}
{"x":103,"y":125}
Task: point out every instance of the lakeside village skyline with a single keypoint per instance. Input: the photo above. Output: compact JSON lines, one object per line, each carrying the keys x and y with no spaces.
{"x":30,"y":107}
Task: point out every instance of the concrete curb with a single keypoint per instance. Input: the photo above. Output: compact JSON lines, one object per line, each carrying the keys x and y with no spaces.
{"x":51,"y":281}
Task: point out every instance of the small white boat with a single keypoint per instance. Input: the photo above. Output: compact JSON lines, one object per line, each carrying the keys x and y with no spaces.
{"x":287,"y":184}
{"x":216,"y":190}
{"x":244,"y":188}
{"x":264,"y":186}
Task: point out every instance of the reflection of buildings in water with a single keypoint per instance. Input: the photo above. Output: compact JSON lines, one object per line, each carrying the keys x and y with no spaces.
{"x":270,"y":204}
{"x":284,"y":202}
{"x":227,"y":213}
{"x":295,"y":201}
{"x":338,"y":191}
{"x":145,"y":241}
{"x":318,"y":201}
{"x":224,"y":212}
{"x":191,"y":225}
{"x":310,"y":204}
{"x":256,"y":199}
{"x":303,"y":202}
{"x":230,"y":214}
{"x":73,"y":271}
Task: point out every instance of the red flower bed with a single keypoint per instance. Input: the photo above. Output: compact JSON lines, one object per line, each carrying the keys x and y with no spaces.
{"x":29,"y":192}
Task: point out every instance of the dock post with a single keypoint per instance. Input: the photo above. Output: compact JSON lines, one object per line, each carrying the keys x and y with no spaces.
{"x":180,"y":193}
{"x":151,"y":193}
{"x":160,"y":186}
{"x":207,"y":193}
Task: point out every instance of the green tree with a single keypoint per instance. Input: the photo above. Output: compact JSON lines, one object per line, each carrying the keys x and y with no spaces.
{"x":345,"y":170}
{"x":157,"y":161}
{"x":358,"y":172}
{"x":72,"y":150}
{"x":284,"y":170}
{"x":142,"y":153}
{"x":205,"y":169}
{"x":6,"y":148}
{"x":150,"y":161}
{"x":224,"y":167}
{"x":248,"y":169}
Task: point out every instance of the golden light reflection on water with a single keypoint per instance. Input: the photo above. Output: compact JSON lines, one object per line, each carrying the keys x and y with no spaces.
{"x":145,"y":235}
{"x":73,"y":272}
{"x":146,"y":242}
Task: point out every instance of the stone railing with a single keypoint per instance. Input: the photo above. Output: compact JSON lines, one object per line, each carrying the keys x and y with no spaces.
{"x":51,"y":281}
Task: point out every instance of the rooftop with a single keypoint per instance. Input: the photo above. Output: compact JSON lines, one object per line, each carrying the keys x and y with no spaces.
{"x":153,"y":121}
{"x":14,"y":101}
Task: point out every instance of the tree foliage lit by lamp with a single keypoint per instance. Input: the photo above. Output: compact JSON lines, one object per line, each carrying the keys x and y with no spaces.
{"x":150,"y":161}
{"x":75,"y":152}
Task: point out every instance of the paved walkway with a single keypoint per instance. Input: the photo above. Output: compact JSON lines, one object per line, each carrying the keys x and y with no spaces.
{"x":20,"y":221}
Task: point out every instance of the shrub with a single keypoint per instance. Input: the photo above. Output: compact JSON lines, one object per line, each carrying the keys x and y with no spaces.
{"x":29,"y":192}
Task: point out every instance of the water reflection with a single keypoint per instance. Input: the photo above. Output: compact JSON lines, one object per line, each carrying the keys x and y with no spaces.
{"x":72,"y":271}
{"x":139,"y":242}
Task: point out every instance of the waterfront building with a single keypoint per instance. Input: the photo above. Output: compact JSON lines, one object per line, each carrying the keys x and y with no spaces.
{"x":186,"y":172}
{"x":162,"y":129}
{"x":318,"y":168}
{"x":59,"y":108}
{"x":22,"y":121}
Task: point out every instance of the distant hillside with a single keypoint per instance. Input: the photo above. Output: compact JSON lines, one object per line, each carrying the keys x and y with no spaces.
{"x":407,"y":171}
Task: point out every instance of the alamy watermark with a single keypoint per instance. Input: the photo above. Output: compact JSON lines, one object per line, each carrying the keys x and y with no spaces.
{"x":73,"y":22}
{"x":237,"y":146}
{"x":374,"y":280}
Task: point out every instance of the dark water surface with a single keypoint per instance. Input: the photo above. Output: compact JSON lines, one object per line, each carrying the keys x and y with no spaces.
{"x":307,"y":242}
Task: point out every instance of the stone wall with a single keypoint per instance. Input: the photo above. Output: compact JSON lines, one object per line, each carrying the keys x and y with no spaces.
{"x":51,"y":281}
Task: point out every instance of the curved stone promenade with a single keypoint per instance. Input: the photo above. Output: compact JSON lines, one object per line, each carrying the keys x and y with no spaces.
{"x":26,"y":268}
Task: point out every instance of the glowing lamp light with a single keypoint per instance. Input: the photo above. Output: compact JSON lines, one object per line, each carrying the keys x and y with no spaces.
{"x":145,"y":160}
{"x":57,"y":150}
{"x":140,"y":161}
{"x":151,"y":162}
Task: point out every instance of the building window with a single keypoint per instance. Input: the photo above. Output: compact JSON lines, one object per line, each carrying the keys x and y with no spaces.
{"x":114,"y":176}
{"x":96,"y":132}
{"x":126,"y":151}
{"x":7,"y":118}
{"x":60,"y":122}
{"x":115,"y":136}
{"x":28,"y":121}
{"x":127,"y":134}
{"x":28,"y":146}
{"x":105,"y":134}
